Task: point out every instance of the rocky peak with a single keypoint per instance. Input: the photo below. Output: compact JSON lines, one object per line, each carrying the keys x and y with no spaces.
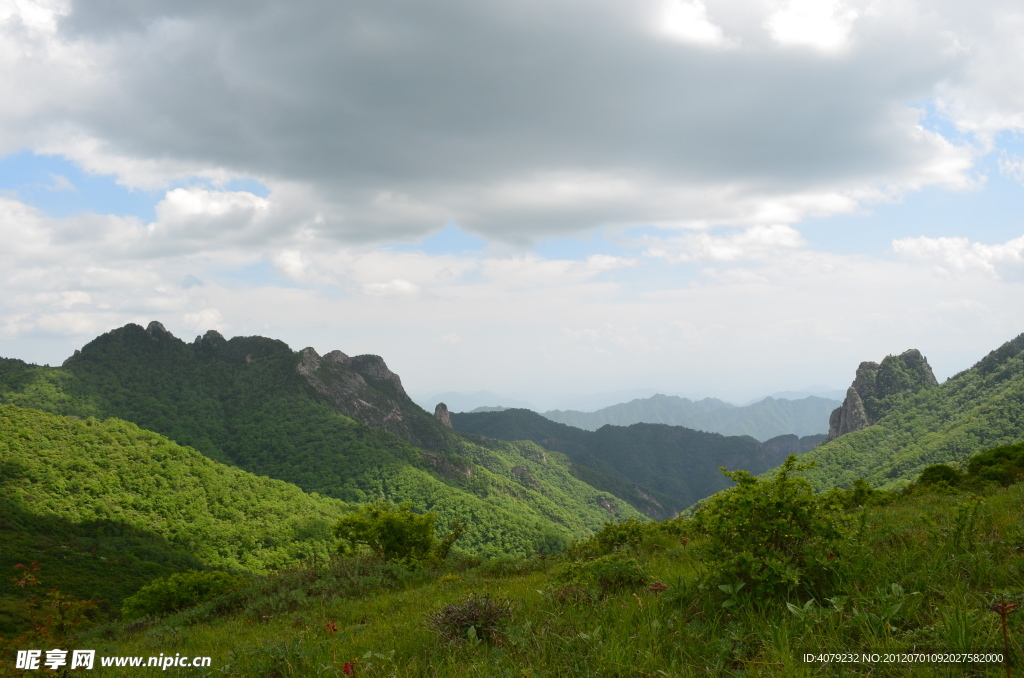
{"x":157,"y":330}
{"x":442,"y":415}
{"x":374,"y":367}
{"x":336,"y":357}
{"x":310,"y":362}
{"x":869,"y":397}
{"x":209,"y":340}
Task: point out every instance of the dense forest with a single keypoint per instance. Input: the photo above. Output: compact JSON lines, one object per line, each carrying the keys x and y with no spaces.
{"x":246,"y":402}
{"x":109,"y":506}
{"x":926,"y":579}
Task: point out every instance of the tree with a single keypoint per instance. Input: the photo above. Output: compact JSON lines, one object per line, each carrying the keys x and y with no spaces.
{"x":392,"y":532}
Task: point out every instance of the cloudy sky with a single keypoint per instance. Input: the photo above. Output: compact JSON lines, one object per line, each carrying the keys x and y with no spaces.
{"x":538,"y":198}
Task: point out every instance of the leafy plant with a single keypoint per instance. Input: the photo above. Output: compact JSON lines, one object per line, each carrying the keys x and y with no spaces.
{"x":54,"y":620}
{"x":474,"y":619}
{"x":773,"y":535}
{"x":614,"y":572}
{"x":178,"y":591}
{"x":391,"y":532}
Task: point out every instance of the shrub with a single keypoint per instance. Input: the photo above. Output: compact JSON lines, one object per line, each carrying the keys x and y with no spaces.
{"x":642,"y":536}
{"x":178,"y":591}
{"x":474,"y":619}
{"x":392,"y":532}
{"x":615,"y":572}
{"x":939,"y":473}
{"x":772,"y":535}
{"x":1004,"y":465}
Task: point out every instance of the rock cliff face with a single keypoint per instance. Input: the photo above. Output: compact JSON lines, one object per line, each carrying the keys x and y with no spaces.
{"x":876,"y":386}
{"x":363,"y":388}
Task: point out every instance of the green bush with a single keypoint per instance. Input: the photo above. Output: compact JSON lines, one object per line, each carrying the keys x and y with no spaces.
{"x":1004,"y":465}
{"x":614,"y":572}
{"x":178,"y":591}
{"x":939,"y":473}
{"x":771,"y":536}
{"x":391,"y":532}
{"x":639,"y":536}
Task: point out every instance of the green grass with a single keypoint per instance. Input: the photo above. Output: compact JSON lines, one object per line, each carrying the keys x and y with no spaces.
{"x":917,"y":574}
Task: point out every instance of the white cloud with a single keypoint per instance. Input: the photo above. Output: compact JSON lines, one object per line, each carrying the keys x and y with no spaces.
{"x":961,"y":255}
{"x":59,"y":182}
{"x":687,"y":21}
{"x":822,"y":24}
{"x":451,"y":339}
{"x":394,"y":288}
{"x":206,"y":319}
{"x":290,"y":263}
{"x":755,"y":243}
{"x":1012,"y":166}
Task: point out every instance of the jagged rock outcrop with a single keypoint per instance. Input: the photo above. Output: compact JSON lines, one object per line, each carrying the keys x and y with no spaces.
{"x":363,"y":388}
{"x":157,"y":330}
{"x":442,"y":415}
{"x":848,"y":417}
{"x":212,"y":339}
{"x":875,"y":386}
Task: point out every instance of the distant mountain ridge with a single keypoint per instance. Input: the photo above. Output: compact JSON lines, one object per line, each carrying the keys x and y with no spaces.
{"x":763,"y":420}
{"x":680,"y":465}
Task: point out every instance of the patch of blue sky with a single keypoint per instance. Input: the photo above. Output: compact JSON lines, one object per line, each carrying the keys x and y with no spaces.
{"x":581,"y":246}
{"x":60,"y":188}
{"x":248,"y":185}
{"x":934,"y":120}
{"x":449,"y":240}
{"x":992,"y":213}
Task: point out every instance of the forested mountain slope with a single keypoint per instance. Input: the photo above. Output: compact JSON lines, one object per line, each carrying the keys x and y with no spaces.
{"x":979,"y":408}
{"x":679,"y":465}
{"x":107,"y":506}
{"x":762,"y":420}
{"x":255,"y":403}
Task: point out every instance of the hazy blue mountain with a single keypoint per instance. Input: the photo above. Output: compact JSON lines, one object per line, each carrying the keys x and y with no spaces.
{"x":763,"y":420}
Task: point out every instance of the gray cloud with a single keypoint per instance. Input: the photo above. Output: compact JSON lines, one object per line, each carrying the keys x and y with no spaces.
{"x":389,"y":118}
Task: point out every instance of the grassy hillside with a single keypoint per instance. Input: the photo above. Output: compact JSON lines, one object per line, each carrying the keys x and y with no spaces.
{"x":918,"y":573}
{"x":762,"y":420}
{"x":674,"y":465}
{"x":979,"y":408}
{"x":109,"y":506}
{"x":253,"y":403}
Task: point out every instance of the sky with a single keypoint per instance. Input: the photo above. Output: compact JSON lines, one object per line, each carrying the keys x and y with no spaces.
{"x":541,"y":199}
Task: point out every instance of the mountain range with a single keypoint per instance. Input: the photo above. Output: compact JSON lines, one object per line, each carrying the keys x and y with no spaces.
{"x":762,"y":420}
{"x":679,"y":465}
{"x":336,"y":425}
{"x":144,"y":454}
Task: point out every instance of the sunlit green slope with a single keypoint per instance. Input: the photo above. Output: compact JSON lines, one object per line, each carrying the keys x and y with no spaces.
{"x":977,"y":409}
{"x":339,"y":426}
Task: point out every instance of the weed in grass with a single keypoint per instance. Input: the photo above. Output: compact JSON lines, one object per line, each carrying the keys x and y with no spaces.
{"x":475,"y":619}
